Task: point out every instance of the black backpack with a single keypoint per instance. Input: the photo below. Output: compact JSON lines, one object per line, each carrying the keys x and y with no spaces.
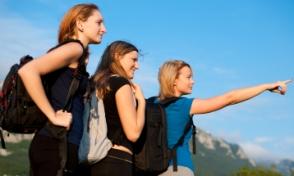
{"x":152,"y":154}
{"x":18,"y":112}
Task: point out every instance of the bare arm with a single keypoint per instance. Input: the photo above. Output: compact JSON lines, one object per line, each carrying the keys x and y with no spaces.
{"x":132,"y":119}
{"x":202,"y":106}
{"x":66,"y":55}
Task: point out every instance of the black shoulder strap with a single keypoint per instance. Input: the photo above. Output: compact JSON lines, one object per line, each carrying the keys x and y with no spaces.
{"x":164,"y":102}
{"x":181,"y":141}
{"x":67,"y":41}
{"x":194,"y":131}
{"x":2,"y":139}
{"x":186,"y":130}
{"x":74,"y":85}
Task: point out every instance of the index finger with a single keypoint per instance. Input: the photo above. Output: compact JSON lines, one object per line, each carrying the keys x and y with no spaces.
{"x":288,"y":81}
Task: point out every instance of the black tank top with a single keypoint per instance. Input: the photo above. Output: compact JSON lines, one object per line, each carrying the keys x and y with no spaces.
{"x":114,"y":127}
{"x":59,"y":82}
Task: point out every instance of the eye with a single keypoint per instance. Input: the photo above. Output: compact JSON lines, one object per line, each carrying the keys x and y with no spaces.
{"x":99,"y":22}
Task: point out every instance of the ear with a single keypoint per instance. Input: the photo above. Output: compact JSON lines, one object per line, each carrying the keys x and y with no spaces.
{"x":175,"y":82}
{"x":117,"y":56}
{"x":80,"y":25}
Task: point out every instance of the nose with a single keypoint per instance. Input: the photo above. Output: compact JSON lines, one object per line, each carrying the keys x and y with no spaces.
{"x":136,"y":65}
{"x":103,"y":28}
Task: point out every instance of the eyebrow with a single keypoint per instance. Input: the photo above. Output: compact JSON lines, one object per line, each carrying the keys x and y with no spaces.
{"x":100,"y":20}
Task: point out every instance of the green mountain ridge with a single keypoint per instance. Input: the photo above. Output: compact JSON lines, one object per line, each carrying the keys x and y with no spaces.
{"x":214,"y":157}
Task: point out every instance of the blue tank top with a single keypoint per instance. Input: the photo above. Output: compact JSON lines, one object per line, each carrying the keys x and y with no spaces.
{"x":60,"y":82}
{"x":178,"y":114}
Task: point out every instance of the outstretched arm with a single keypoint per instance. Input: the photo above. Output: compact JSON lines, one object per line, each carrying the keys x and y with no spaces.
{"x":202,"y":106}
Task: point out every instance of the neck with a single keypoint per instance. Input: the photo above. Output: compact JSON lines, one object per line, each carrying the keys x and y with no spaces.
{"x":177,"y":93}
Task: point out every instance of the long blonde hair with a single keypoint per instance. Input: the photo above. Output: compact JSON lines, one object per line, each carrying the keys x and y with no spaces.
{"x":109,"y":65}
{"x":167,"y":75}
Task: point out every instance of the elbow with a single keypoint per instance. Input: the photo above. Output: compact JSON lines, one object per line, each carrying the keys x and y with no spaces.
{"x":231,"y":98}
{"x":21,"y":72}
{"x":133,"y":137}
{"x":25,"y":70}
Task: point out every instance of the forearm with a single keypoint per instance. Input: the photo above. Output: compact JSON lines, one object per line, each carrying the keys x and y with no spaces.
{"x":141,"y":115}
{"x":33,"y":84}
{"x":240,"y":95}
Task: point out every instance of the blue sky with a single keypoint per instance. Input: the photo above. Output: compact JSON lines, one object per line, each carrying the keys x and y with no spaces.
{"x":229,"y":44}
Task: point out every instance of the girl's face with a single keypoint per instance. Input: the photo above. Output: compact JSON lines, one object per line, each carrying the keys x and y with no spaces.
{"x":93,"y":28}
{"x":184,"y":83}
{"x":129,"y":62}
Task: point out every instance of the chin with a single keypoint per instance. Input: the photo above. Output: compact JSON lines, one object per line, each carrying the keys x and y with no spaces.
{"x":188,"y":92}
{"x":131,"y":76}
{"x":96,"y":42}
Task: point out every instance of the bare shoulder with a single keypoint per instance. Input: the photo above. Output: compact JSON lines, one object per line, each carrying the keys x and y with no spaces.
{"x":123,"y":90}
{"x":73,"y":48}
{"x":59,"y":57}
{"x":67,"y":53}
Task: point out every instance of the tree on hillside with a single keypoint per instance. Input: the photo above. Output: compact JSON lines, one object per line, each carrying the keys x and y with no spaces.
{"x":257,"y":171}
{"x":292,"y":172}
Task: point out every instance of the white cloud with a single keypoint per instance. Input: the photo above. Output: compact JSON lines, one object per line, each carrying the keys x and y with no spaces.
{"x":257,"y":152}
{"x":224,"y":72}
{"x":285,"y":147}
{"x":258,"y":148}
{"x":261,"y":140}
{"x":289,"y":140}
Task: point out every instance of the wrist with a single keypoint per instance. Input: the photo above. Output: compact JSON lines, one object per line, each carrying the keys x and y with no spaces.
{"x":52,"y":117}
{"x":268,"y":87}
{"x":141,"y":101}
